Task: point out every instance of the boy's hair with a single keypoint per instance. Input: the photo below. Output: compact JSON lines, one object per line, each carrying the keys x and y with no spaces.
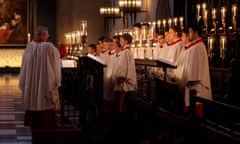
{"x":127,"y":37}
{"x":93,"y":46}
{"x":196,"y":28}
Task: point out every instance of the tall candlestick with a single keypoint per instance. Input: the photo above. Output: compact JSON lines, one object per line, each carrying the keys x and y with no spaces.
{"x":28,"y":37}
{"x":204,"y":5}
{"x":234,"y":10}
{"x":175,"y":21}
{"x":223,"y":12}
{"x":198,"y":11}
{"x":181,"y":22}
{"x":159,"y":23}
{"x":144,"y":34}
{"x":164,"y":23}
{"x":205,"y":17}
{"x":223,"y":43}
{"x":214,"y":13}
{"x":211,"y":44}
{"x":170,"y":22}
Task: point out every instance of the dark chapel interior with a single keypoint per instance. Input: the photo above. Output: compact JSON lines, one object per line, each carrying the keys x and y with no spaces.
{"x":154,"y":113}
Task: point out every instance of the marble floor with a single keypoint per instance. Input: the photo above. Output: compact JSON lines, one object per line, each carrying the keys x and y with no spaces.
{"x":12,"y":130}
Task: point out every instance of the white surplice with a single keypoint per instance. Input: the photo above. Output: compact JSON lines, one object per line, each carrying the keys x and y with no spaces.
{"x":108,"y":81}
{"x":40,"y":77}
{"x":174,"y":49}
{"x":193,"y":67}
{"x":125,"y":68}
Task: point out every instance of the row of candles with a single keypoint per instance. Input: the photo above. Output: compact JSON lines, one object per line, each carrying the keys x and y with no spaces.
{"x":223,"y":45}
{"x":148,"y":33}
{"x":74,"y":39}
{"x":203,"y":8}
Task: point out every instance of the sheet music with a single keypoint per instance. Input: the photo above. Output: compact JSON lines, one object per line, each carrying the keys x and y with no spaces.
{"x":68,"y":63}
{"x":96,"y":59}
{"x":167,"y":62}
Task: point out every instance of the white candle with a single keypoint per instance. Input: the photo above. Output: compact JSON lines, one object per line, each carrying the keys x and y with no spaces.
{"x":234,"y":10}
{"x":159,"y":23}
{"x":181,"y":21}
{"x":204,"y":5}
{"x":83,"y":26}
{"x":223,"y":11}
{"x":214,"y":13}
{"x":223,"y":43}
{"x":198,"y":10}
{"x":175,"y":21}
{"x":28,"y":37}
{"x":144,"y":34}
{"x":164,"y":23}
{"x":211,"y":43}
{"x":205,"y":17}
{"x":170,"y":22}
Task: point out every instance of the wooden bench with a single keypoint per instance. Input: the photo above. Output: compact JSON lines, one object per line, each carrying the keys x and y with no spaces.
{"x":219,"y":122}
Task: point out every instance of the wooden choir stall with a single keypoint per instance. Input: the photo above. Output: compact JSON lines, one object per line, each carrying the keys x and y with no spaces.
{"x":82,"y":92}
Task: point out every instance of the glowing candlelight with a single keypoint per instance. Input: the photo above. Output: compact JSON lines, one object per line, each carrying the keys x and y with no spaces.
{"x":223,"y":43}
{"x":205,"y":17}
{"x":170,"y":22}
{"x":164,"y":23}
{"x":210,"y":43}
{"x":198,"y":11}
{"x":204,"y":5}
{"x":153,"y":28}
{"x":175,"y":21}
{"x":214,"y":13}
{"x":223,"y":12}
{"x":144,"y":34}
{"x":28,"y":37}
{"x":234,"y":10}
{"x":159,"y":23}
{"x":181,"y":21}
{"x":136,"y":34}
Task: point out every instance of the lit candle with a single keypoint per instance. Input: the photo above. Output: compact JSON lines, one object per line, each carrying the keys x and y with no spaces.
{"x":214,"y":13}
{"x":28,"y":37}
{"x":198,"y":11}
{"x":78,"y":37}
{"x":170,"y":22}
{"x":175,"y":21}
{"x":234,"y":10}
{"x":164,"y":23}
{"x":211,"y":44}
{"x":204,"y":5}
{"x":136,"y":34}
{"x":159,"y":23}
{"x":83,"y":26}
{"x":205,"y":17}
{"x":73,"y":38}
{"x":204,"y":12}
{"x":153,"y":28}
{"x":144,"y":34}
{"x":223,"y":43}
{"x":181,"y":21}
{"x":223,"y":11}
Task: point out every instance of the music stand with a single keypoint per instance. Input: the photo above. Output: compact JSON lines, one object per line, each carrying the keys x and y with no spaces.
{"x":166,"y":64}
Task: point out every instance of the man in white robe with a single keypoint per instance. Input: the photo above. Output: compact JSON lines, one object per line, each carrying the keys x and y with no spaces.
{"x":40,"y":78}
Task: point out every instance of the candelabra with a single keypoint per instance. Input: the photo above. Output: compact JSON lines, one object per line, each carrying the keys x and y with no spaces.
{"x":145,"y":37}
{"x":77,"y":40}
{"x":220,"y":30}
